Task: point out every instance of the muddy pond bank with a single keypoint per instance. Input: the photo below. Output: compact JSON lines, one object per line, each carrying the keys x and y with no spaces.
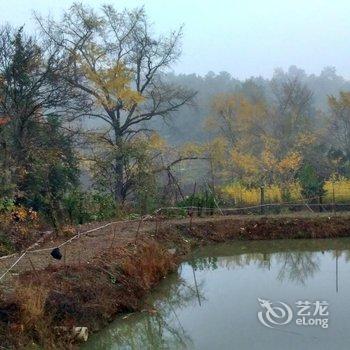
{"x":45,"y":304}
{"x":212,"y":300}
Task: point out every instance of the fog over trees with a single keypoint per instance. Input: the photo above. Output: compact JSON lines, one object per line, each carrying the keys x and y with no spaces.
{"x":93,"y":123}
{"x":327,"y":83}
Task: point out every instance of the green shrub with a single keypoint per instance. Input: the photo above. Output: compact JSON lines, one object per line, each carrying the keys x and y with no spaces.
{"x":82,"y":207}
{"x":6,"y":205}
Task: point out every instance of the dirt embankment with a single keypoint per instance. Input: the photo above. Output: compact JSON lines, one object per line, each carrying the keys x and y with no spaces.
{"x":251,"y":228}
{"x":108,"y":276}
{"x":44,"y":305}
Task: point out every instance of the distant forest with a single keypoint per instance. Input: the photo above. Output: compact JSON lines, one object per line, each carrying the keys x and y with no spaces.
{"x":188,"y":124}
{"x":94,"y":125}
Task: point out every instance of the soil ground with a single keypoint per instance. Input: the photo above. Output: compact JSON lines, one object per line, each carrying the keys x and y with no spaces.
{"x":102,"y":275}
{"x":89,"y":245}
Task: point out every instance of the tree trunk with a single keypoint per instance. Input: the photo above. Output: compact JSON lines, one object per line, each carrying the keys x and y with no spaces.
{"x":119,"y":190}
{"x":119,"y":193}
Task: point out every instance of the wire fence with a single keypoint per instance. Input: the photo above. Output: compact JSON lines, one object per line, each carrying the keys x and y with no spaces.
{"x":314,"y":204}
{"x":165,"y":213}
{"x":30,"y":250}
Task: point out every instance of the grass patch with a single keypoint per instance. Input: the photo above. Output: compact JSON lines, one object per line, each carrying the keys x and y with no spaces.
{"x":46,"y":305}
{"x":6,"y":246}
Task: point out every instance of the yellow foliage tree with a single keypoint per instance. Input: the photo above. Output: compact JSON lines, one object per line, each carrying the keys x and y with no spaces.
{"x":112,"y":86}
{"x":113,"y":58}
{"x":257,"y":156}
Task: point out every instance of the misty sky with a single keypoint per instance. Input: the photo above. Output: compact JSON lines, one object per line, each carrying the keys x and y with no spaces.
{"x":244,"y":37}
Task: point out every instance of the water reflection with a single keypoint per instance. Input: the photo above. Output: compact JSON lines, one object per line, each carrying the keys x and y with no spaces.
{"x":294,"y":266}
{"x":297,"y":265}
{"x":189,"y":309}
{"x":157,"y":326}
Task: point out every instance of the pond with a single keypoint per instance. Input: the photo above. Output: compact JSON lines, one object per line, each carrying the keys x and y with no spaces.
{"x":284,"y":294}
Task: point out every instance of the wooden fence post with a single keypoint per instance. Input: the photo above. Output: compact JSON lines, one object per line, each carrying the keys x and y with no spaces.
{"x":262,"y":199}
{"x":320,"y":204}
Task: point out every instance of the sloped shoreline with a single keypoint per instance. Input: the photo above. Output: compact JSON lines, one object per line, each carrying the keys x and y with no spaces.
{"x":45,"y":305}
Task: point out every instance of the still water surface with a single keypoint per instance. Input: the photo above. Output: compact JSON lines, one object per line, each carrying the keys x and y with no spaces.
{"x":211,"y":302}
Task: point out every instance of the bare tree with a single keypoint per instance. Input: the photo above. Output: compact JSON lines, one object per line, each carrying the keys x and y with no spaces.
{"x":293,"y":112}
{"x":114,"y":58}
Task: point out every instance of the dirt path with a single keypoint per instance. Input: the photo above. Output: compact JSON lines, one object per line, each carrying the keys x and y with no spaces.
{"x":84,"y":247}
{"x":87,"y":246}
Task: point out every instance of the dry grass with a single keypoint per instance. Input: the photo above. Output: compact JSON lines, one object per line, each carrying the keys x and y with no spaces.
{"x":278,"y":227}
{"x":91,"y":293}
{"x":88,"y":294}
{"x":149,"y":266}
{"x":31,"y":300}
